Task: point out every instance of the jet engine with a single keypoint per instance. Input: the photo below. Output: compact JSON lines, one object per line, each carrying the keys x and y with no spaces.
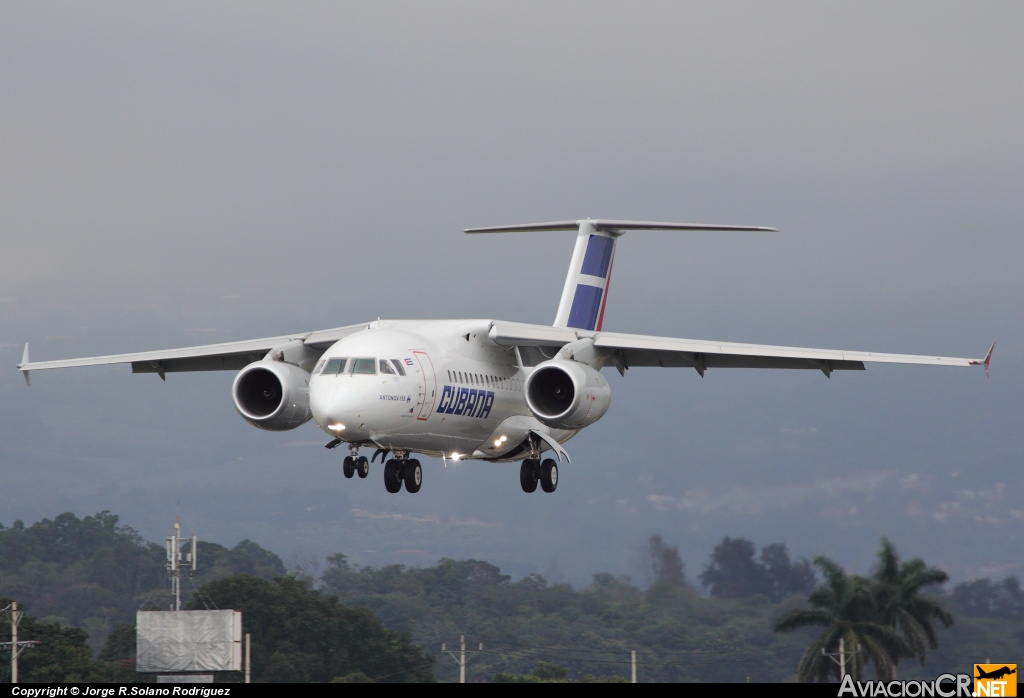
{"x":567,"y":394}
{"x":272,"y":395}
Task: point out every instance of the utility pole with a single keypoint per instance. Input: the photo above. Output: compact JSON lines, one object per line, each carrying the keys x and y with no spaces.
{"x":15,"y":620}
{"x":840,"y":657}
{"x":461,"y":659}
{"x":17,"y":647}
{"x":634,"y":666}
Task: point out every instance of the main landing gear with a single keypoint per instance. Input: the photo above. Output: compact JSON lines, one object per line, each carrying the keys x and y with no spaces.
{"x":403,"y":471}
{"x":535,"y":471}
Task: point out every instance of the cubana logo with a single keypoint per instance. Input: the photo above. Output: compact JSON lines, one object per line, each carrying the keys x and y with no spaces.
{"x":468,"y":402}
{"x":995,"y":679}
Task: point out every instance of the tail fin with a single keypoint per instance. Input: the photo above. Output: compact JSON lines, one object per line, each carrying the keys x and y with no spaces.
{"x":590,"y":270}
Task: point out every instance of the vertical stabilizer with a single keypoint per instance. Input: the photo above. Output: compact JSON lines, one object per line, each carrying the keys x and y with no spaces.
{"x":586,"y":285}
{"x":585,"y":293}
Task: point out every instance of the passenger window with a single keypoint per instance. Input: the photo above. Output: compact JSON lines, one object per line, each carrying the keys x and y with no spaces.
{"x":385,"y":367}
{"x":364,"y":366}
{"x":334,"y":366}
{"x":399,"y":366}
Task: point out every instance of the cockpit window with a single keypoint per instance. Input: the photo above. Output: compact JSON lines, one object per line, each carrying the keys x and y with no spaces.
{"x":334,"y":366}
{"x":365,"y":366}
{"x":399,"y":366}
{"x":385,"y":367}
{"x":319,"y":365}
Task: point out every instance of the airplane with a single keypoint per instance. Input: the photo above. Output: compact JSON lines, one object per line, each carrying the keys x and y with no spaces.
{"x":995,"y":673}
{"x":487,"y":390}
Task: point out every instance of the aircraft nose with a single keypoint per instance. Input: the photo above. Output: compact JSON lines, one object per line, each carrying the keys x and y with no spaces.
{"x":337,"y":412}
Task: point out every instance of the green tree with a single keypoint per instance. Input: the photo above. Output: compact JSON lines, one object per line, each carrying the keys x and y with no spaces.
{"x":733,"y":572}
{"x":983,"y":597}
{"x":899,"y":603}
{"x":666,"y":564}
{"x":845,"y":606}
{"x":303,"y":635}
{"x":785,"y":577}
{"x":116,"y":662}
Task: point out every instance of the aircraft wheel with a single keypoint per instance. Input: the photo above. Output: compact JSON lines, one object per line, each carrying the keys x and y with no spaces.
{"x":528,"y":475}
{"x":549,"y":475}
{"x":413,"y":476}
{"x":362,"y":466}
{"x":392,"y":476}
{"x":349,"y":466}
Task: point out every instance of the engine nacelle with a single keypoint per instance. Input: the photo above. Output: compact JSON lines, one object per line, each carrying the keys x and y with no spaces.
{"x":567,"y":394}
{"x":272,"y":395}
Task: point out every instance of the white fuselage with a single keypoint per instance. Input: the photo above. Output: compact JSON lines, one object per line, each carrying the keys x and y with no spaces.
{"x":438,"y":387}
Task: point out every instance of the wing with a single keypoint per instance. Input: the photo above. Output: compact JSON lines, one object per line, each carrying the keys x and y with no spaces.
{"x":209,"y":357}
{"x":626,"y":350}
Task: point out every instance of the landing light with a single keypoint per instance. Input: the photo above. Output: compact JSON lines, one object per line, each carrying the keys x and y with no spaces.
{"x":336,"y":427}
{"x":456,"y":456}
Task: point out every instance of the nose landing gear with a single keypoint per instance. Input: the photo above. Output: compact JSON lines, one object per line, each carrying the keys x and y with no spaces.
{"x":350,"y":466}
{"x":354,"y":463}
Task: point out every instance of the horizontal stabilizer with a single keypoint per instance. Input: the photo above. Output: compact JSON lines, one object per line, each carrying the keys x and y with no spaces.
{"x":613,"y":226}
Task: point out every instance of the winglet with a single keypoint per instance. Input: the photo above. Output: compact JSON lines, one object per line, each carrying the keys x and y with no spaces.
{"x":24,"y":361}
{"x":987,"y":361}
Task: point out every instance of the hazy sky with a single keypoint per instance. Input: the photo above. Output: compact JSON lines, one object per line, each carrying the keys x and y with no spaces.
{"x":176,"y":174}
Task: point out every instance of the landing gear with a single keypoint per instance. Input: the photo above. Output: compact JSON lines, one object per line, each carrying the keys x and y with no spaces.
{"x":529,"y":474}
{"x":355,"y":463}
{"x":413,"y":476}
{"x":403,"y":471}
{"x":392,"y":476}
{"x":533,"y":471}
{"x":548,"y":475}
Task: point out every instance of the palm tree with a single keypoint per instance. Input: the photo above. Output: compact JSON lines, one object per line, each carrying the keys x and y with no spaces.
{"x":845,"y":606}
{"x":899,"y":604}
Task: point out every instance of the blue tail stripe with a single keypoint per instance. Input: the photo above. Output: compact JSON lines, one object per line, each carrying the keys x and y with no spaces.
{"x":586,"y":305}
{"x":598,"y":256}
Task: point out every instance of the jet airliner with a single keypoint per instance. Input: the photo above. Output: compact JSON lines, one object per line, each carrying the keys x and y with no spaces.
{"x":486,"y":390}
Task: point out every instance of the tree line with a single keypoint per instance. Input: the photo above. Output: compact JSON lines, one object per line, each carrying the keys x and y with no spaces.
{"x":82,"y":580}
